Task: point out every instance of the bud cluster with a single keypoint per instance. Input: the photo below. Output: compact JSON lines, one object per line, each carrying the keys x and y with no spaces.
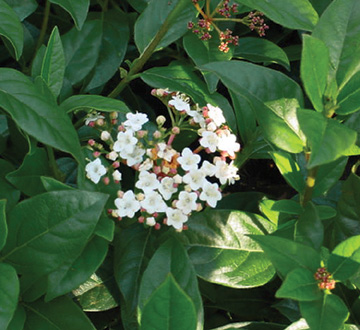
{"x":324,"y":278}
{"x":170,"y":185}
{"x":225,"y":9}
{"x":256,"y":22}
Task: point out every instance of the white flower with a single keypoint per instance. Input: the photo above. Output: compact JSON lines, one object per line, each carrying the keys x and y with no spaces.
{"x":188,"y":160}
{"x":116,"y":175}
{"x":226,"y":172}
{"x":197,"y":116}
{"x":177,"y":178}
{"x":187,"y":202}
{"x":112,"y":155}
{"x":179,"y":103}
{"x":153,"y":202}
{"x":126,"y":141}
{"x":135,"y":121}
{"x":150,"y":221}
{"x":194,"y":178}
{"x":167,"y":187}
{"x":105,"y":135}
{"x":127,"y":206}
{"x":147,"y":181}
{"x":227,"y":142}
{"x":95,"y":170}
{"x":146,"y":165}
{"x":210,"y":193}
{"x":208,"y":168}
{"x":216,"y":114}
{"x":165,"y":151}
{"x":175,"y":218}
{"x":209,"y":140}
{"x":134,"y":157}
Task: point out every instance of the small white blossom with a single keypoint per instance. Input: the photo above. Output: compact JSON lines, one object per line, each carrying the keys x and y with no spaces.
{"x":112,"y":155}
{"x":128,"y":205}
{"x":210,"y":193}
{"x":116,"y":175}
{"x":150,"y":221}
{"x":146,"y":165}
{"x":195,"y":179}
{"x":165,"y":152}
{"x":179,"y":103}
{"x":188,"y":160}
{"x":134,"y":157}
{"x":187,"y":202}
{"x":153,"y":202}
{"x":167,"y":188}
{"x":227,"y":142}
{"x":216,"y":114}
{"x":208,"y":168}
{"x":126,"y":142}
{"x":147,"y":181}
{"x":226,"y":172}
{"x":209,"y":140}
{"x":135,"y":121}
{"x":95,"y":170}
{"x":211,"y":127}
{"x":175,"y":218}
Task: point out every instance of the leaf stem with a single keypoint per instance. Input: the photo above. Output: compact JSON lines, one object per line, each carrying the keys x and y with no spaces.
{"x":310,"y":182}
{"x":58,"y":175}
{"x":43,"y":26}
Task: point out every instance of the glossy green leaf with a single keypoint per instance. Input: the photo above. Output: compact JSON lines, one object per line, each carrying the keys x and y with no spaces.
{"x":287,"y":255}
{"x":75,"y":271}
{"x":27,"y":177}
{"x":96,"y":102}
{"x":327,"y":138}
{"x":22,"y":8}
{"x":320,"y":6}
{"x":325,"y":212}
{"x":292,"y":14}
{"x":50,"y":184}
{"x":315,"y":65}
{"x":7,"y":190}
{"x":3,"y":224}
{"x":77,"y":9}
{"x":289,"y":169}
{"x":256,"y":87}
{"x":205,"y":52}
{"x":265,"y":207}
{"x":328,"y":313}
{"x":300,"y":285}
{"x":167,"y":307}
{"x":57,"y":227}
{"x":349,"y":96}
{"x":344,"y":41}
{"x":309,"y":229}
{"x":53,"y":65}
{"x":221,"y":251}
{"x":11,"y":28}
{"x":9,"y":293}
{"x":18,"y":320}
{"x":41,"y":315}
{"x":105,"y":228}
{"x":182,"y":78}
{"x":344,"y":260}
{"x":251,"y":326}
{"x":43,"y":120}
{"x":114,"y":42}
{"x":81,"y":50}
{"x":288,"y":206}
{"x":171,"y":258}
{"x":261,"y":50}
{"x":162,"y":21}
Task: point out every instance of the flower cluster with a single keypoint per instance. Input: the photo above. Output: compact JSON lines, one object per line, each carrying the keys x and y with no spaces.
{"x":325,"y":282}
{"x":170,"y":185}
{"x":206,"y":24}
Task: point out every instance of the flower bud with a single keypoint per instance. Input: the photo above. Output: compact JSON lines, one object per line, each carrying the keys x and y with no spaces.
{"x":105,"y":135}
{"x":150,"y":221}
{"x":106,"y":181}
{"x":113,"y":115}
{"x":160,"y":120}
{"x":116,"y":175}
{"x":96,"y":154}
{"x":157,"y":135}
{"x":91,"y":142}
{"x":112,"y":155}
{"x":175,"y":130}
{"x":100,"y":122}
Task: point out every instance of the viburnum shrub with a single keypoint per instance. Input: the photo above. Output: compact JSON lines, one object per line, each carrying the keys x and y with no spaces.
{"x":179,"y":164}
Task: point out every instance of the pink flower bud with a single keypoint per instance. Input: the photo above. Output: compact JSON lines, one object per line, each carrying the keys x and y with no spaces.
{"x":96,"y":154}
{"x":141,"y":219}
{"x":175,"y":130}
{"x":115,"y":164}
{"x":106,"y":181}
{"x":91,"y":142}
{"x":157,"y":226}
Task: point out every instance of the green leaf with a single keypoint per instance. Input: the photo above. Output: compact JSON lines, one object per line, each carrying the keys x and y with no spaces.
{"x":9,"y":294}
{"x":289,"y":169}
{"x":114,"y":42}
{"x":93,"y":102}
{"x":265,"y":207}
{"x":251,"y":326}
{"x":7,"y":191}
{"x":349,"y":96}
{"x":43,"y":120}
{"x":182,"y":78}
{"x":53,"y":65}
{"x":221,"y":251}
{"x":50,"y":184}
{"x":344,"y":260}
{"x":27,"y":177}
{"x":171,"y":258}
{"x":164,"y":21}
{"x":329,"y":313}
{"x":202,"y":52}
{"x":57,"y":227}
{"x":261,"y":50}
{"x":22,"y":8}
{"x":300,"y":285}
{"x":11,"y":28}
{"x":81,"y":50}
{"x":77,"y":9}
{"x":168,"y":308}
{"x":3,"y":225}
{"x":327,"y":138}
{"x":292,"y":14}
{"x":315,"y":65}
{"x":255,"y":87}
{"x":105,"y":228}
{"x":344,"y":41}
{"x":41,"y":315}
{"x":309,"y":229}
{"x":287,"y":255}
{"x":75,"y":271}
{"x":287,"y":206}
{"x":18,"y":320}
